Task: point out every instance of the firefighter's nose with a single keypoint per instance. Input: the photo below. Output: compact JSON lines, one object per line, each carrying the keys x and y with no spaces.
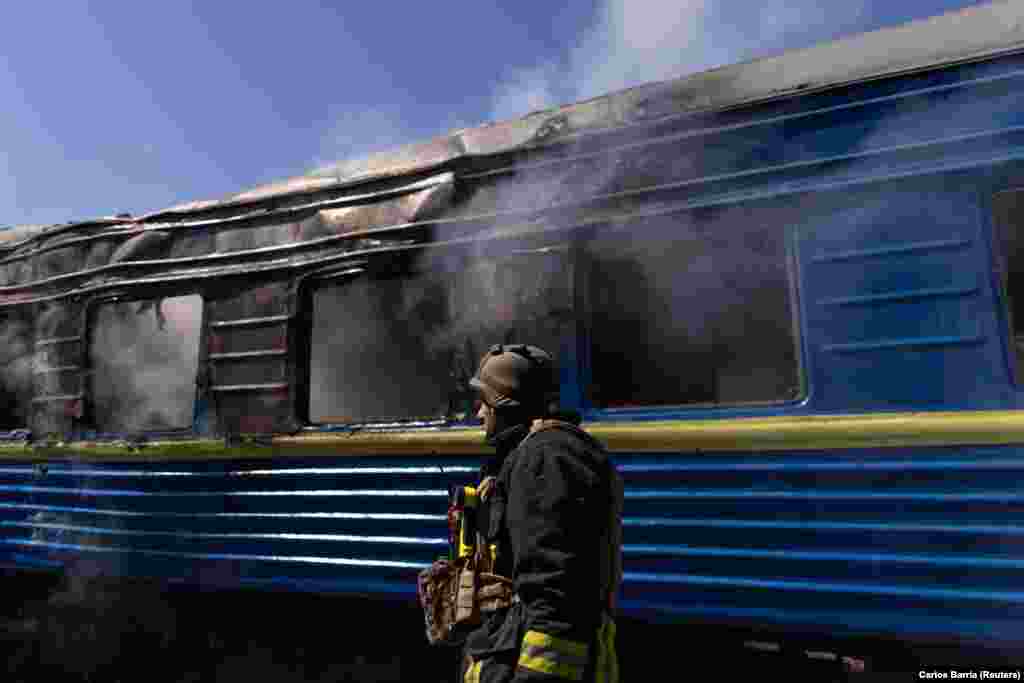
{"x":482,"y":411}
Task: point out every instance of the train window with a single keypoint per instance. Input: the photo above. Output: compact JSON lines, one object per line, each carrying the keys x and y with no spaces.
{"x":388,"y":347}
{"x":144,"y":357}
{"x":690,"y":310}
{"x":1009,"y":215}
{"x":15,"y":372}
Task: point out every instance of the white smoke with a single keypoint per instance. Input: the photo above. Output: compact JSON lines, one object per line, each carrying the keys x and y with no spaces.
{"x":15,"y":372}
{"x":526,"y":90}
{"x":644,"y":41}
{"x":626,"y":44}
{"x":639,"y":41}
{"x":360,"y":133}
{"x":145,"y":356}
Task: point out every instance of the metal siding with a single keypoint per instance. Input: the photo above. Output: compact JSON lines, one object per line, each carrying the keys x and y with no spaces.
{"x":913,"y":542}
{"x":888,"y":198}
{"x":906,"y":316}
{"x":225,"y":523}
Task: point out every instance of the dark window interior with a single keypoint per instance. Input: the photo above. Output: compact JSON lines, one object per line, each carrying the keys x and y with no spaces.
{"x":691,"y":309}
{"x":403,"y":346}
{"x":144,"y":356}
{"x":1009,"y":215}
{"x":15,"y":371}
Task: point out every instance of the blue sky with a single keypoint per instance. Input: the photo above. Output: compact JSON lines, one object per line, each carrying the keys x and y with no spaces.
{"x":115,"y":106}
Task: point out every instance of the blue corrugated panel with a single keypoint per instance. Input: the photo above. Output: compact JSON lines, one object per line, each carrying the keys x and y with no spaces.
{"x":352,"y":524}
{"x":915,"y":543}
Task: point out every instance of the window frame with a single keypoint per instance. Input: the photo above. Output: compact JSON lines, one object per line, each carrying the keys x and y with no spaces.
{"x":998,"y":267}
{"x":593,"y":412}
{"x":92,"y":307}
{"x":302,"y":332}
{"x":25,"y":315}
{"x":395,"y":263}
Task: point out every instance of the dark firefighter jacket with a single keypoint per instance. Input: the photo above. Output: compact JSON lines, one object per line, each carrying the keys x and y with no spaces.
{"x":554,"y":513}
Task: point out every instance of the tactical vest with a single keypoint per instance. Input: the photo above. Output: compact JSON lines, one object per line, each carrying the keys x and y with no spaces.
{"x":456,"y":593}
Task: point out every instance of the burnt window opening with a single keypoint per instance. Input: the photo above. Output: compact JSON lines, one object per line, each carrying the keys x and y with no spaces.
{"x":403,"y":346}
{"x":144,"y":356}
{"x":692,"y":309}
{"x":1009,"y":224}
{"x":16,"y":378}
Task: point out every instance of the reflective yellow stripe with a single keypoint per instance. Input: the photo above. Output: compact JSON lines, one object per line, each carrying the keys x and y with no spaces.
{"x":816,"y":432}
{"x":551,"y":655}
{"x":798,"y":432}
{"x":569,"y":647}
{"x":607,"y":664}
{"x":546,"y":666}
{"x":601,"y":661}
{"x":473,"y":673}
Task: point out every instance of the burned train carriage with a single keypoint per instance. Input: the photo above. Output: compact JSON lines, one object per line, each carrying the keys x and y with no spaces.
{"x":785,"y":293}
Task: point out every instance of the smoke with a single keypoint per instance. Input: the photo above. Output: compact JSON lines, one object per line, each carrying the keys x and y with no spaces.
{"x":696,"y":312}
{"x":360,"y":133}
{"x":625,"y":45}
{"x":507,"y":299}
{"x":423,"y":333}
{"x":527,"y":90}
{"x":356,"y":135}
{"x":372,"y":367}
{"x":15,"y":372}
{"x":640,"y":41}
{"x":699,"y":312}
{"x":145,"y":357}
{"x":90,"y":627}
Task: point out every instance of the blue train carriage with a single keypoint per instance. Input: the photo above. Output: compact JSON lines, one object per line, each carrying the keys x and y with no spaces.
{"x":786,"y":293}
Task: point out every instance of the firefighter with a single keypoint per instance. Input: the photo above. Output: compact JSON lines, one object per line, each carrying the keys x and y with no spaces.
{"x":551,"y":502}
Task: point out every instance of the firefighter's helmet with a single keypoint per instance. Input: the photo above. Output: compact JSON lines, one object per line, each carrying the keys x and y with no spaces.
{"x":517,"y":375}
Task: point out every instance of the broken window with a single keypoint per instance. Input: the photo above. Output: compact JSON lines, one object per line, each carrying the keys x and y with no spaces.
{"x":404,"y":346}
{"x":15,"y":371}
{"x":1009,"y":214}
{"x":691,"y":309}
{"x":144,"y":357}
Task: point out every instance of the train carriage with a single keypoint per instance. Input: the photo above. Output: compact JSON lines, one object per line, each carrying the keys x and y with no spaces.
{"x":786,"y":293}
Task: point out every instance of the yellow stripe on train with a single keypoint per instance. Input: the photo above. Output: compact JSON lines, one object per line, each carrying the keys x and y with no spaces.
{"x":810,"y":432}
